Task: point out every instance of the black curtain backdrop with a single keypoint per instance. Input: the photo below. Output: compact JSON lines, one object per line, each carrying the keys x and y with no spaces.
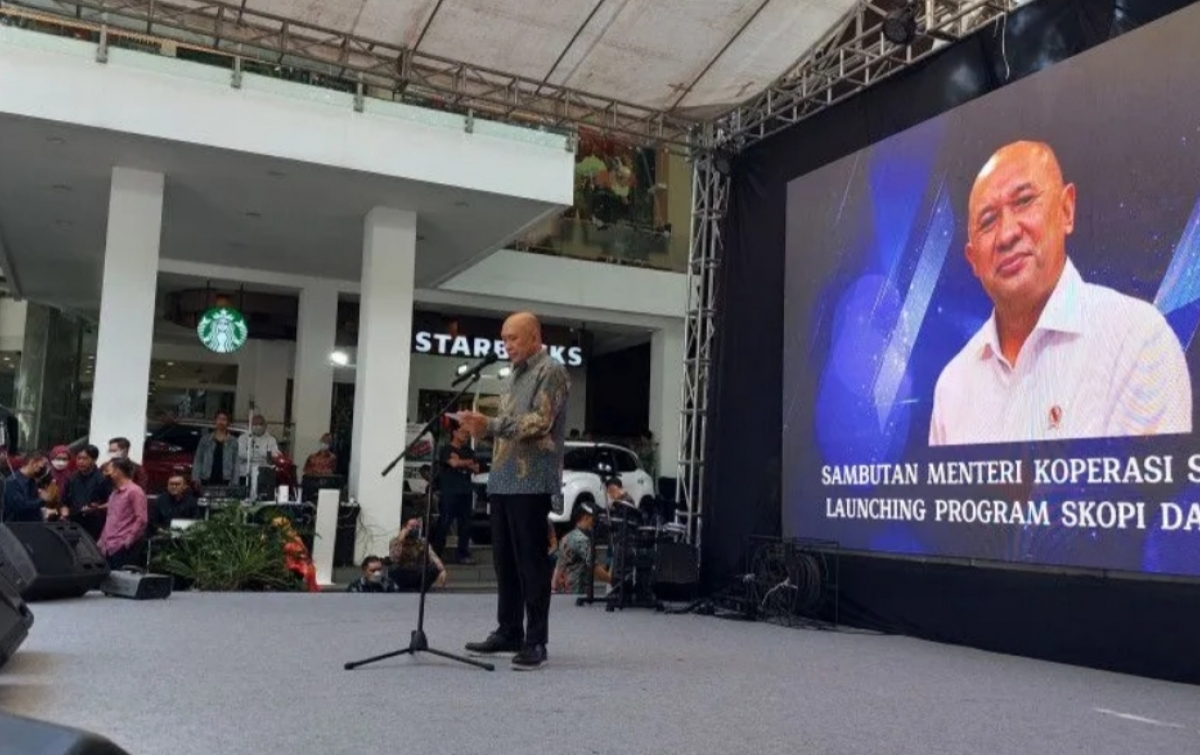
{"x":1043,"y":615}
{"x":618,"y":393}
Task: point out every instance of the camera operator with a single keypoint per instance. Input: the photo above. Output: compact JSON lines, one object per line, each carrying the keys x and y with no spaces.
{"x":405,"y":554}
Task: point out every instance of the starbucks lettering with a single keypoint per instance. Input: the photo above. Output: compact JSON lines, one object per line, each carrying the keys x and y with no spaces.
{"x":477,"y":347}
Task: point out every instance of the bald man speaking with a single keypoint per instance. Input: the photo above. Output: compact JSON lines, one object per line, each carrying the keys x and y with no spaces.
{"x":526,"y":472}
{"x":1059,"y":358}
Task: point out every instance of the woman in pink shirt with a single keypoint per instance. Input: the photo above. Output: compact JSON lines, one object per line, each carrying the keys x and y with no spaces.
{"x":124,"y":532}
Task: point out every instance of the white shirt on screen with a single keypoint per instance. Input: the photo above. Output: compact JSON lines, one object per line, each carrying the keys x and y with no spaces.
{"x":1099,"y":364}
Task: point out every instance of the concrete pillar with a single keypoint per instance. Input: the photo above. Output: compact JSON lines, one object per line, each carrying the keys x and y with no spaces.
{"x":47,"y":383}
{"x":129,"y":287}
{"x":312,"y":382}
{"x":263,"y":371}
{"x":666,"y":384}
{"x":381,"y":377}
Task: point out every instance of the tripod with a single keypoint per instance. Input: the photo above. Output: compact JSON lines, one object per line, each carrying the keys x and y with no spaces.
{"x":418,"y":642}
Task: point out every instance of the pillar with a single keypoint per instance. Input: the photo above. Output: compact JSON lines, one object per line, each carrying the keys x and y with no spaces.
{"x":128,"y":290}
{"x":381,"y":378}
{"x":47,"y":382}
{"x":263,"y":371}
{"x":312,"y":381}
{"x":666,"y":385}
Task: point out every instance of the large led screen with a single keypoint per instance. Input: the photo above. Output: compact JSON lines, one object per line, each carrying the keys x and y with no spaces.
{"x":991,"y":319}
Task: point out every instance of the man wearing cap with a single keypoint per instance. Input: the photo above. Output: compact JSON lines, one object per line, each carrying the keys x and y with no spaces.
{"x":575,"y":553}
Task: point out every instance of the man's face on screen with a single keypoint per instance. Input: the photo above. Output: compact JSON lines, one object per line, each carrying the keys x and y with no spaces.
{"x":1020,"y":214}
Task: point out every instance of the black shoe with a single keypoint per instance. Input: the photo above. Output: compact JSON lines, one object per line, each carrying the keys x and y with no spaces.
{"x":495,"y":644}
{"x":531,"y":657}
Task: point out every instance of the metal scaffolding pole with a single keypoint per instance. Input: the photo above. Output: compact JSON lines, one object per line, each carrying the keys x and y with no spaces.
{"x":710,"y":201}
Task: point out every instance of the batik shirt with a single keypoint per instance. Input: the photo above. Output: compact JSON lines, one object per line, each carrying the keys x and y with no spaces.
{"x":527,"y":456}
{"x":574,"y":552}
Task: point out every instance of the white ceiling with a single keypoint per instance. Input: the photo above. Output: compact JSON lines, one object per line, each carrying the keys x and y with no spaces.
{"x":687,"y":56}
{"x":222,"y":208}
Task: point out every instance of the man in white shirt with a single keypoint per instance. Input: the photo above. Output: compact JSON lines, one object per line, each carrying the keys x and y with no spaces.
{"x":256,"y":449}
{"x":1059,"y":358}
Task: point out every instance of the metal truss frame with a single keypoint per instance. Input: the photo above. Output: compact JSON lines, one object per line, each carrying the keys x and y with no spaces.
{"x":216,"y":26}
{"x":853,"y":56}
{"x":710,"y":203}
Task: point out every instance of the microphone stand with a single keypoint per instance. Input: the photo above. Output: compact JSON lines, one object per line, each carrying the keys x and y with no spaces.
{"x":418,"y":642}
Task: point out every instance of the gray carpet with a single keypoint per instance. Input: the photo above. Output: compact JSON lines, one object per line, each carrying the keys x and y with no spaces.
{"x":231,"y":674}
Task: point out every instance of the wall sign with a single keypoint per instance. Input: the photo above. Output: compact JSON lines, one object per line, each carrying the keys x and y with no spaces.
{"x":222,"y":330}
{"x":444,"y":344}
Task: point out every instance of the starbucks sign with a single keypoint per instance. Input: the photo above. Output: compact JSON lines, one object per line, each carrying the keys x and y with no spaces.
{"x":222,"y":329}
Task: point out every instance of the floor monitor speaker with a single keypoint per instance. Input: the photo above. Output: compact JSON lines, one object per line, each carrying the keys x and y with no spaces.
{"x":66,"y":560}
{"x":15,"y":621}
{"x":25,"y":735}
{"x":16,"y":565}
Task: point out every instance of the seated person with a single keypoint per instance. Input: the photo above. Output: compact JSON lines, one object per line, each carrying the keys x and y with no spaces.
{"x":86,"y":492}
{"x":295,"y":555}
{"x":574,"y":553}
{"x":405,"y":553}
{"x":323,"y":462}
{"x":179,"y":502}
{"x":374,"y":578}
{"x":616,"y":492}
{"x":23,"y":501}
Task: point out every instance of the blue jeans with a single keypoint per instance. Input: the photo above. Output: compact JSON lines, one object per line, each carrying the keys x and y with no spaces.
{"x":454,"y":508}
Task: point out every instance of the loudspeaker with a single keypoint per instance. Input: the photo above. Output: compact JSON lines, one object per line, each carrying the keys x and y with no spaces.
{"x":66,"y":560}
{"x":25,"y":735}
{"x":15,"y":621}
{"x":677,"y":573}
{"x":16,"y":565}
{"x":135,"y":586}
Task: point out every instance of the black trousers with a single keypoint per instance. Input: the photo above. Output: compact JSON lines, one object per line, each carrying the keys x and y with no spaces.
{"x":454,"y":508}
{"x":519,"y":542}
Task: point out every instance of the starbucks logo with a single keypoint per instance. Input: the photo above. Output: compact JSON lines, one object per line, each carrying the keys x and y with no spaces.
{"x":222,"y":330}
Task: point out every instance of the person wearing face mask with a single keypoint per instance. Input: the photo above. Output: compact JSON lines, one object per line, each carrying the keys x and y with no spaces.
{"x":118,"y":448}
{"x":216,"y":461}
{"x":258,"y":449}
{"x":22,"y":501}
{"x":374,"y":578}
{"x":53,"y":483}
{"x":323,"y":462}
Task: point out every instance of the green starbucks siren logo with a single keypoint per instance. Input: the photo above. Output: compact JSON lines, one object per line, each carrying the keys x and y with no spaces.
{"x":222,"y":329}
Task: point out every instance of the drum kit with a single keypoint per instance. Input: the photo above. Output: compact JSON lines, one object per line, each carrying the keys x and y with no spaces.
{"x":635,"y":536}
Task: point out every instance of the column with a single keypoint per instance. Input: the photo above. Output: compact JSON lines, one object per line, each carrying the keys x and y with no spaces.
{"x":47,"y":382}
{"x":129,"y":287}
{"x":666,"y":384}
{"x":263,"y":371}
{"x":312,"y":381}
{"x":381,"y":377}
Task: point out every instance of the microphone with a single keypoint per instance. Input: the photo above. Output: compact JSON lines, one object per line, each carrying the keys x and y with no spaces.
{"x":473,"y":373}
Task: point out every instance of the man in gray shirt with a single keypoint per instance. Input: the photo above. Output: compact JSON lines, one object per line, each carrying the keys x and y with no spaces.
{"x":527,"y":459}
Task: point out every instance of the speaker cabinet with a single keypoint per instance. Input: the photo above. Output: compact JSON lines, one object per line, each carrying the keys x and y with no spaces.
{"x":15,"y":621}
{"x":25,"y":735}
{"x":66,"y":561}
{"x":16,"y":565}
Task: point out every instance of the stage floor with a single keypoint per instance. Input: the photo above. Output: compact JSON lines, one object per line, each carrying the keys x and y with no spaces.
{"x":205,"y":673}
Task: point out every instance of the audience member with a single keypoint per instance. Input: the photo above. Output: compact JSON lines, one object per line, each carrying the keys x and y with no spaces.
{"x":323,"y":461}
{"x":86,"y":494}
{"x":118,"y":448}
{"x":374,"y":578}
{"x":405,"y":553}
{"x":22,"y":501}
{"x":60,"y":467}
{"x":179,"y":502}
{"x":258,"y":449}
{"x":456,"y":493}
{"x":124,"y":535}
{"x":216,"y":460}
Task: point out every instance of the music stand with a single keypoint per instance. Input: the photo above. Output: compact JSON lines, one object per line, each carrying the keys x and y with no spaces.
{"x":418,"y":642}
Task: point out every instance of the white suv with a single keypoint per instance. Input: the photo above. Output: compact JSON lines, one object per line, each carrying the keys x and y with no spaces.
{"x":585,"y":467}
